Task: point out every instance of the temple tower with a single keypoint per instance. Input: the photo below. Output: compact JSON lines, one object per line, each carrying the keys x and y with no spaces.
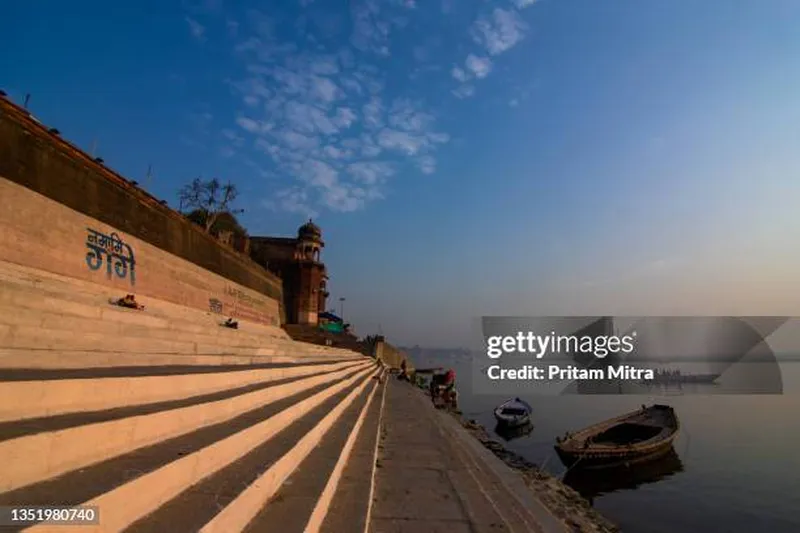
{"x":311,"y":290}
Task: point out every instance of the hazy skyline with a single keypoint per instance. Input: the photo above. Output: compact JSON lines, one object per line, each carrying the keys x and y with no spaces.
{"x":463,"y":158}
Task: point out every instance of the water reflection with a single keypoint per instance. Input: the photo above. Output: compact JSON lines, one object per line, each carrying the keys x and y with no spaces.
{"x":511,"y":433}
{"x":593,"y":483}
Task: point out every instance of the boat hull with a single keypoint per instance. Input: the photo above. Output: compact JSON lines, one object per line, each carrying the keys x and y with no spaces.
{"x":512,"y":423}
{"x":632,"y":438}
{"x":513,"y":413}
{"x":610,"y":460}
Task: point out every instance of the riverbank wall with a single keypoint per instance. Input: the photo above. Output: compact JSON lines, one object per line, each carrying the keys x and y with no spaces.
{"x":390,"y":355}
{"x":68,"y":213}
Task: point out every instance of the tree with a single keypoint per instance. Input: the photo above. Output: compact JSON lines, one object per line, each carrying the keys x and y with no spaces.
{"x":225,"y":222}
{"x":208,"y":200}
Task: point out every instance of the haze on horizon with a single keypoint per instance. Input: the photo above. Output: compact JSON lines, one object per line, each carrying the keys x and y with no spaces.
{"x":505,"y":157}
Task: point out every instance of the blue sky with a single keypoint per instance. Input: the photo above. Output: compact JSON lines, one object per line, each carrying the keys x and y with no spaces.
{"x":463,"y":157}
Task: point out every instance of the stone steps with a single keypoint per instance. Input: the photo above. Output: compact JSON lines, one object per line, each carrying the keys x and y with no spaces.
{"x":164,"y":425}
{"x":21,"y":359}
{"x":37,"y":338}
{"x":52,"y":395}
{"x":32,"y":338}
{"x":222,"y":475}
{"x":40,"y":312}
{"x":48,"y":305}
{"x":80,"y":291}
{"x":33,"y":457}
{"x":25,"y":315}
{"x":44,"y":280}
{"x":351,"y":502}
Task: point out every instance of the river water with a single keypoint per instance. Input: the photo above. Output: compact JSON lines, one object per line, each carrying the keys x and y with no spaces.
{"x":737,"y":468}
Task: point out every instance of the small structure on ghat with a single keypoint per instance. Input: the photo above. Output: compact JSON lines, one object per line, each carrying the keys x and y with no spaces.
{"x":296,"y":260}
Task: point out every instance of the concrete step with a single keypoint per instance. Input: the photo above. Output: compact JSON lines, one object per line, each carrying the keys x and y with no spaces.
{"x":31,"y":318}
{"x":349,"y":508}
{"x":98,"y":307}
{"x":193,"y":509}
{"x":36,"y":457}
{"x":139,"y":498}
{"x":17,"y":428}
{"x":18,"y":309}
{"x":242,"y":510}
{"x":23,"y":358}
{"x":59,"y":295}
{"x":19,"y":337}
{"x":119,"y":324}
{"x":179,"y":453}
{"x":43,"y":280}
{"x":33,"y":337}
{"x":36,"y":398}
{"x":16,"y":278}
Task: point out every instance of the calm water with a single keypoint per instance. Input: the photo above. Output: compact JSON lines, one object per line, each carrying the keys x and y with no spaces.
{"x":738,"y":465}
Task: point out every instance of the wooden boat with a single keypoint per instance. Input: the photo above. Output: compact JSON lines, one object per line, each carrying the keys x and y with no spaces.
{"x":633,"y":437}
{"x":513,"y":413}
{"x":591,"y":483}
{"x":510,"y":433}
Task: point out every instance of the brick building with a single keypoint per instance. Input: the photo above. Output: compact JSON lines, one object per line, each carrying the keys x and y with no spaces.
{"x":296,"y":260}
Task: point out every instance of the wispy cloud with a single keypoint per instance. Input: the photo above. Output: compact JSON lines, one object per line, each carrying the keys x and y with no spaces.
{"x":479,"y":66}
{"x":460,"y":74}
{"x":323,"y":121}
{"x":499,"y":32}
{"x":197,"y":30}
{"x":495,"y":33}
{"x":475,"y":67}
{"x":326,"y":122}
{"x":464,"y":91}
{"x":374,"y":21}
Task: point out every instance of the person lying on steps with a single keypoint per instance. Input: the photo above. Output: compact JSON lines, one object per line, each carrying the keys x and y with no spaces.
{"x":129,"y":301}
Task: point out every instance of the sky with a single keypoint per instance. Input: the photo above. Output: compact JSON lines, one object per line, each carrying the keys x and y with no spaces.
{"x":463,"y":158}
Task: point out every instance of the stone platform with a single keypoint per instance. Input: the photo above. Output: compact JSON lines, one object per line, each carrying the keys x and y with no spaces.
{"x":433,"y":476}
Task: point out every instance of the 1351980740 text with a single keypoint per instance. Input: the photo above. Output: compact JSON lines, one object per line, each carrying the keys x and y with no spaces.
{"x":48,"y":514}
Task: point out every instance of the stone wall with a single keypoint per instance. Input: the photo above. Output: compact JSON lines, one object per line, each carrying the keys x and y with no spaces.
{"x":390,"y":355}
{"x":39,"y":160}
{"x":56,"y":202}
{"x":41,"y":233}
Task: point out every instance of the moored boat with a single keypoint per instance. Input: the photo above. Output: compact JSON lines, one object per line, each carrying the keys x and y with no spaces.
{"x":511,"y":433}
{"x":513,"y":413}
{"x":636,"y":436}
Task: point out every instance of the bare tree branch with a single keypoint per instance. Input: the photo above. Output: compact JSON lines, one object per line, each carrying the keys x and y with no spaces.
{"x":210,"y":197}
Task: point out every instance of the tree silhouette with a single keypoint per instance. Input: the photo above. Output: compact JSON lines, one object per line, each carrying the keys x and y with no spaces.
{"x":208,"y":201}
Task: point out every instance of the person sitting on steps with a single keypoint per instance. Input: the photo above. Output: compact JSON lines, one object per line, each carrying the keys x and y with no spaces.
{"x":231,"y":323}
{"x":129,"y":301}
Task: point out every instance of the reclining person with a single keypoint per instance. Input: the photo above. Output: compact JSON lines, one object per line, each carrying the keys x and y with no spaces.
{"x":231,"y":323}
{"x":129,"y":301}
